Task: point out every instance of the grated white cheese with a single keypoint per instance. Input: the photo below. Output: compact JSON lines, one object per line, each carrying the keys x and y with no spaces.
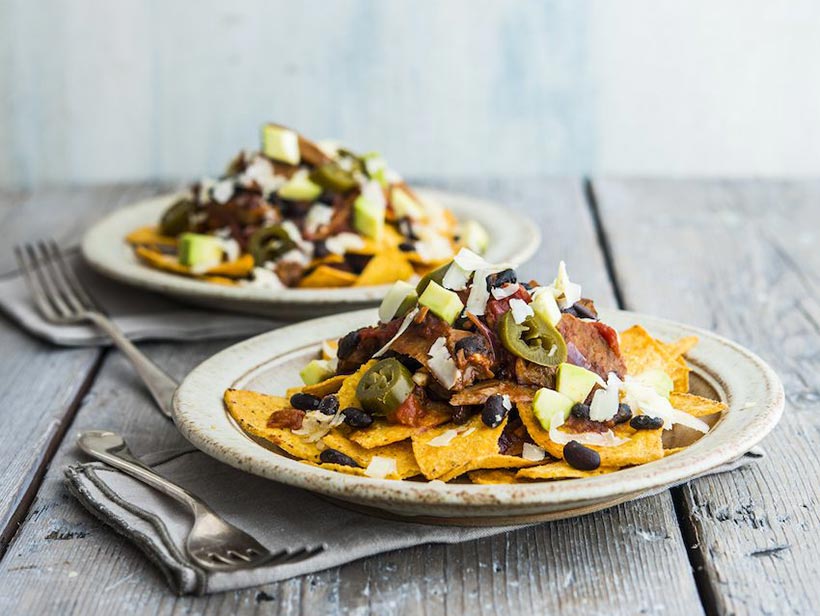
{"x":344,"y":242}
{"x":433,"y":247}
{"x":505,"y":291}
{"x":605,"y":401}
{"x":316,"y":425}
{"x":293,"y":233}
{"x":443,"y":439}
{"x":567,"y":291}
{"x":441,"y":364}
{"x":533,"y":453}
{"x":646,"y":399}
{"x":231,"y":248}
{"x":381,"y":468}
{"x":470,"y":261}
{"x":374,"y":193}
{"x":223,"y":191}
{"x":263,"y":279}
{"x":479,"y":295}
{"x":520,"y":310}
{"x":402,"y":328}
{"x":506,"y":402}
{"x":421,"y":378}
{"x":318,"y":216}
{"x":599,"y":439}
{"x":455,"y":278}
{"x":294,"y":256}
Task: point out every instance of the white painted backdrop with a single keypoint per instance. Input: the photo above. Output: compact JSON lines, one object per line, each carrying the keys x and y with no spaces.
{"x":106,"y":90}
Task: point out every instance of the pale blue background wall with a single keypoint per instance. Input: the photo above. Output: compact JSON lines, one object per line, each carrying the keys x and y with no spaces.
{"x":104,"y":90}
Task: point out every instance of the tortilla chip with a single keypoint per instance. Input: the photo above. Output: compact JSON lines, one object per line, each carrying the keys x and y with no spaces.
{"x":492,"y":477}
{"x":496,"y":460}
{"x":680,"y":375}
{"x":384,"y":268}
{"x":559,"y":470}
{"x":339,"y":468}
{"x":642,"y":446}
{"x":402,"y":453}
{"x":329,"y":349}
{"x":390,"y":240}
{"x":475,"y":440}
{"x":328,"y":386}
{"x":696,"y":405}
{"x":381,"y":433}
{"x":233,"y":269}
{"x":150,"y":236}
{"x":679,"y":347}
{"x":251,"y":411}
{"x":347,"y":392}
{"x":325,"y":276}
{"x":672,"y":451}
{"x":641,"y":352}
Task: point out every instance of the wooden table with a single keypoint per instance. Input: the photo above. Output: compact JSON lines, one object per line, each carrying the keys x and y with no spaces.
{"x":737,"y":257}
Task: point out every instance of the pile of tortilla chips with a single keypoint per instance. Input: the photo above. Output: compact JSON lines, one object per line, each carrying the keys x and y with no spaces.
{"x":387,"y":263}
{"x":442,"y":450}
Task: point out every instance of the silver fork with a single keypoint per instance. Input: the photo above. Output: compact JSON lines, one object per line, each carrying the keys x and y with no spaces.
{"x":212,"y":542}
{"x":61,"y":299}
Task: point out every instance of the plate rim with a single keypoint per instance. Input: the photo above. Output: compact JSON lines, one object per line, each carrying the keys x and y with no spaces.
{"x":96,"y":249}
{"x":471,"y":498}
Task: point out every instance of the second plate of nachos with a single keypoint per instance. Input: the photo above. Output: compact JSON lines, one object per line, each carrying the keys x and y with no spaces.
{"x":476,"y":397}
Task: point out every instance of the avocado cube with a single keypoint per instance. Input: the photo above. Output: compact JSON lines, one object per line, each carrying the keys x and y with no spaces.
{"x":547,"y":403}
{"x":399,"y":300}
{"x":200,"y":251}
{"x":316,"y":371}
{"x":575,"y":382}
{"x":658,"y":380}
{"x":281,"y":144}
{"x":299,"y":188}
{"x":368,"y":217}
{"x":404,"y":206}
{"x":442,"y":302}
{"x":545,"y":306}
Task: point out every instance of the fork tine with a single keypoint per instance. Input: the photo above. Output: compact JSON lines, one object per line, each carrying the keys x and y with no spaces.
{"x":71,"y":278}
{"x":59,"y":278}
{"x":35,"y":286}
{"x":44,"y":271}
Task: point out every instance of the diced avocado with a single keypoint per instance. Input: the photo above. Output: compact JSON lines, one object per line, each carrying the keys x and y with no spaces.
{"x":299,"y":188}
{"x":368,"y":217}
{"x":545,"y":306}
{"x":437,"y":275}
{"x":442,"y":302}
{"x":575,"y":382}
{"x":280,"y":143}
{"x":316,"y":371}
{"x":399,"y":300}
{"x":376,"y":167}
{"x":404,"y":205}
{"x":547,"y":403}
{"x":472,"y":235}
{"x":202,"y":251}
{"x":658,"y":380}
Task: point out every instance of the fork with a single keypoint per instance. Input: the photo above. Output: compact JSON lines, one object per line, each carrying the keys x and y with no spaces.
{"x":61,"y":299}
{"x":212,"y":543}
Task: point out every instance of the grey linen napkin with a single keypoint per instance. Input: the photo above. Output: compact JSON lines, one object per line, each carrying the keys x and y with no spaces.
{"x":141,"y":314}
{"x":275,"y":514}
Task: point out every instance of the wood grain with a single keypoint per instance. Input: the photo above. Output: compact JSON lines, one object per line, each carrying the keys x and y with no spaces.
{"x":626,"y":560}
{"x":739,"y":258}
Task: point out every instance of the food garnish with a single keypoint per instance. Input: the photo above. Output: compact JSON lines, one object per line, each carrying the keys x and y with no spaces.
{"x":475,"y":375}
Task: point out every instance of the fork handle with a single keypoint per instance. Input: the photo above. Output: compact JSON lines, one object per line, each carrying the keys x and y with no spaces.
{"x":110,"y":448}
{"x":161,"y":386}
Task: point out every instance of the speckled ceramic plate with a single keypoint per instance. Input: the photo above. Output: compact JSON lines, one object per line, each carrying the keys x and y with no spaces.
{"x":270,"y":363}
{"x":105,"y":250}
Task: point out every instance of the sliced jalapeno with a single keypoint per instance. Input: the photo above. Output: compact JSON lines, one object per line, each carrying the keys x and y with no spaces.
{"x":269,"y":243}
{"x":384,"y":387}
{"x":534,"y":339}
{"x":331,"y":176}
{"x":437,"y":276}
{"x":177,"y":218}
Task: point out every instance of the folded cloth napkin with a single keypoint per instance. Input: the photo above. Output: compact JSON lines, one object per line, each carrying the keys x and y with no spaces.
{"x":275,"y":514}
{"x":141,"y":314}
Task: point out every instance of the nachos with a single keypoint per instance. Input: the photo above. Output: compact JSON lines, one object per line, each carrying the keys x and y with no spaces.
{"x":303,"y":214}
{"x":475,"y":375}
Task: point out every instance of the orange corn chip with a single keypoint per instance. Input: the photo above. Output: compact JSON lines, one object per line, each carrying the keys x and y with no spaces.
{"x":347,"y":392}
{"x":496,"y":460}
{"x":559,"y":470}
{"x":402,"y":453}
{"x":150,"y":236}
{"x":492,"y":477}
{"x":696,"y":405}
{"x":381,"y":433}
{"x":384,"y":268}
{"x":325,"y":276}
{"x":233,"y":269}
{"x":328,"y":386}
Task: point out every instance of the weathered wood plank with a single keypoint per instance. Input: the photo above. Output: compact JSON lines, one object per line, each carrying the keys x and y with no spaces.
{"x":622,"y":561}
{"x":740,"y":258}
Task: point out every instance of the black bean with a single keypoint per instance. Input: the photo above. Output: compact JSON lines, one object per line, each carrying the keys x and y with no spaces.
{"x":494,"y":411}
{"x":506,"y":276}
{"x":332,"y":456}
{"x":348,"y":344}
{"x":320,"y":249}
{"x":407,"y":246}
{"x":580,"y":410}
{"x":645,"y":422}
{"x":580,"y":457}
{"x":356,"y":418}
{"x":472,"y":345}
{"x":405,"y":226}
{"x":328,"y":405}
{"x":583,"y":312}
{"x":304,"y":402}
{"x":462,"y":414}
{"x":624,"y":413}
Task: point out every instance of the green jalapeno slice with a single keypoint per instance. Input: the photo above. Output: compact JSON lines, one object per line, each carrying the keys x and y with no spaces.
{"x":331,"y":176}
{"x":177,"y":218}
{"x":534,"y":339}
{"x":269,"y":243}
{"x":385,"y":387}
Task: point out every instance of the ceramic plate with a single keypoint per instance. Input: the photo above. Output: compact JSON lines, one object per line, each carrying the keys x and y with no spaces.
{"x":270,"y":363}
{"x":105,"y":249}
